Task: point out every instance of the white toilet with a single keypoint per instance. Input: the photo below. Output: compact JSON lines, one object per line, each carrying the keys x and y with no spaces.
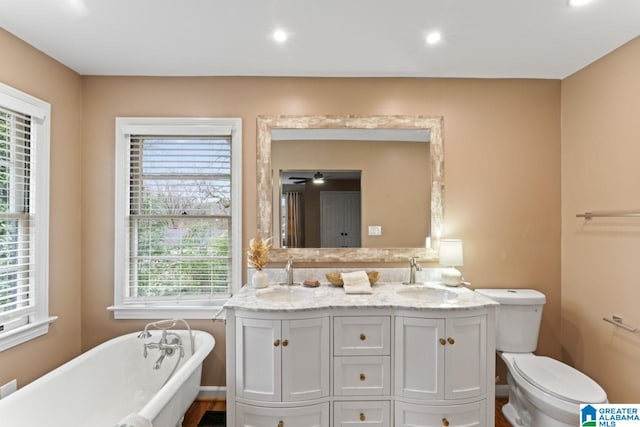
{"x":543,"y":392}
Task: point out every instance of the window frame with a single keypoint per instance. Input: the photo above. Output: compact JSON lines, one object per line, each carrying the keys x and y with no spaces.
{"x":40,"y":114}
{"x":172,"y":126}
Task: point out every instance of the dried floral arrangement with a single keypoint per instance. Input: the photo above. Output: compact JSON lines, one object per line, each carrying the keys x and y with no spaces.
{"x":258,"y":253}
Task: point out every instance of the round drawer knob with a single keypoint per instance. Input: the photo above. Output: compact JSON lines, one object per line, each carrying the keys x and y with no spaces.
{"x":363,"y":337}
{"x":451,"y":340}
{"x":281,"y":424}
{"x":445,"y":422}
{"x":276,"y":343}
{"x":442,"y":341}
{"x":362,"y":417}
{"x":285,"y":343}
{"x":362,"y":377}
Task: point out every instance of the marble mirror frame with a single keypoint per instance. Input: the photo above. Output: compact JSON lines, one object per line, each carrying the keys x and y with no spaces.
{"x":264,"y":187}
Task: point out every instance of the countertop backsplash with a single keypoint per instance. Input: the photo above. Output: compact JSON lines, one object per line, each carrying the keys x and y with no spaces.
{"x":279,"y":275}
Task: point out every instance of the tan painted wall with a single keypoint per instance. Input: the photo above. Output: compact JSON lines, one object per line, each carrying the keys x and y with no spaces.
{"x":600,"y":268}
{"x":30,"y":71}
{"x":502,"y":173}
{"x":395,"y":183}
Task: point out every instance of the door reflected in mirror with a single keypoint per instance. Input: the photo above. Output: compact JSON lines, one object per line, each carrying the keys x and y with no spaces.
{"x":320,"y":209}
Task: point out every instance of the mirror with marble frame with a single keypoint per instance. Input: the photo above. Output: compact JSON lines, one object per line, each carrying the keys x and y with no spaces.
{"x":264,"y":188}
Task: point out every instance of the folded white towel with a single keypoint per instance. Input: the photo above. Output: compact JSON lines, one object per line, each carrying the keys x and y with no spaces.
{"x":356,"y":282}
{"x":134,"y":420}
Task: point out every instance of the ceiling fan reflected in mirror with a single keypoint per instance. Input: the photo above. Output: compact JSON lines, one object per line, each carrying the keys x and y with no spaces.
{"x":318,"y":178}
{"x":297,"y":177}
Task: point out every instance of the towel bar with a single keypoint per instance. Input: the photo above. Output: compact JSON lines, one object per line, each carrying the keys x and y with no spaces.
{"x":610,"y":214}
{"x":617,"y":320}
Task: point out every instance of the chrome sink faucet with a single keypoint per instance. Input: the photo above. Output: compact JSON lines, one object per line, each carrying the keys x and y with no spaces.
{"x":289,"y":269}
{"x":413,"y":267}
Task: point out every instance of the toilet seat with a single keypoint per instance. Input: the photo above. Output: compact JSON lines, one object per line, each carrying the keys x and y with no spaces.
{"x":559,"y":380}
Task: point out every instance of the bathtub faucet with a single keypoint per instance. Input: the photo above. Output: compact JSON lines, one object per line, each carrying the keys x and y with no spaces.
{"x":168,"y":344}
{"x":163,"y":325}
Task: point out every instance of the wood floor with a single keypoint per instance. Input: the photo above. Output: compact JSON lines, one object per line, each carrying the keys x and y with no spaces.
{"x":500,"y":420}
{"x":199,"y":407}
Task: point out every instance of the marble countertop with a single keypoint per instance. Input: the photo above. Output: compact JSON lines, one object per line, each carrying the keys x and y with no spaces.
{"x":430,"y":296}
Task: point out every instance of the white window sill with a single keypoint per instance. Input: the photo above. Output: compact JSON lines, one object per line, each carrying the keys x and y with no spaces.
{"x":25,"y":333}
{"x":163,"y":312}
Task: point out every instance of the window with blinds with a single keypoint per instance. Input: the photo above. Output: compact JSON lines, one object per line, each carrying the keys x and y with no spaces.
{"x":24,"y":217}
{"x":178,"y":222}
{"x":179,"y":217}
{"x":17,"y":296}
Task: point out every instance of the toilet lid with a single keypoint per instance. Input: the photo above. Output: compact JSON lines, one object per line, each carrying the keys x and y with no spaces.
{"x":559,"y":380}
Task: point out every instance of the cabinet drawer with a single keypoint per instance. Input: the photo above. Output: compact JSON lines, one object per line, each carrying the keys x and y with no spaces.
{"x":362,"y":376}
{"x":304,"y":416}
{"x":362,"y":336}
{"x":364,"y":413}
{"x":468,"y":415}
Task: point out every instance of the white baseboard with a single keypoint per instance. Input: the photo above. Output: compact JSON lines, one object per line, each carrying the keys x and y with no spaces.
{"x":502,"y":390}
{"x":212,"y":392}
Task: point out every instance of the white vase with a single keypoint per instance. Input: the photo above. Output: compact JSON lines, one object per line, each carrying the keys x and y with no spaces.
{"x":260,"y":279}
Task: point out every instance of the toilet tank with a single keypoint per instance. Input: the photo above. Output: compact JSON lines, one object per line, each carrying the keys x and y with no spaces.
{"x":518,"y":320}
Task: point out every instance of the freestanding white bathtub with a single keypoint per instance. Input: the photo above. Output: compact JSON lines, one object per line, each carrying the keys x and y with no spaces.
{"x":108,"y":383}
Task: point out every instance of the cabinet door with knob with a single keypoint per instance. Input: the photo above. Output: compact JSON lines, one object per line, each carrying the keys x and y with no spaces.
{"x":466,"y":357}
{"x":440,"y":359}
{"x":258,"y":359}
{"x":305,"y":359}
{"x":419,"y":364}
{"x":282,"y":360}
{"x":304,"y":416}
{"x":468,"y":415}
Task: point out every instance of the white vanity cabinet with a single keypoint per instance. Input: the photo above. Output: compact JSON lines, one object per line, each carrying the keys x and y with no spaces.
{"x":282,"y":360}
{"x":441,"y":358}
{"x":346,"y":361}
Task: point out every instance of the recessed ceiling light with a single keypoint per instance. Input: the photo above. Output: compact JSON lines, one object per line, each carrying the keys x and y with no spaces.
{"x":576,"y":3}
{"x":79,"y":7}
{"x":433,"y":37}
{"x":280,"y":36}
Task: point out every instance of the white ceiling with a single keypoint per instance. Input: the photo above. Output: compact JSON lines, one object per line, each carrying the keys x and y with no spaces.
{"x":480,"y":38}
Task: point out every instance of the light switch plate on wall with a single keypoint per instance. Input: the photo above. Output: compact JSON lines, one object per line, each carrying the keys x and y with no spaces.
{"x":375,"y":230}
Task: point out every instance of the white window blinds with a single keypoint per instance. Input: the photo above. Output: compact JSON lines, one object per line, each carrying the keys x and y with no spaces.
{"x":179,"y":218}
{"x":17,"y":296}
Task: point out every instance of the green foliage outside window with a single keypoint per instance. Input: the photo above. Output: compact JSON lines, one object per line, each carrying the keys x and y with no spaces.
{"x":180,"y":256}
